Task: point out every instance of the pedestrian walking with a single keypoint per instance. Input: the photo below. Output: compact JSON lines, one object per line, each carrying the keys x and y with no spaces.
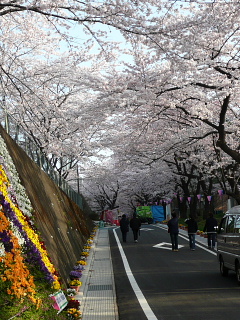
{"x":135,"y":225}
{"x":211,"y":229}
{"x":173,"y":229}
{"x":124,"y":227}
{"x":192,"y":229}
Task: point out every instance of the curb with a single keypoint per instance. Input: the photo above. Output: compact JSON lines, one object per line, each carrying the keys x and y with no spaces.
{"x":81,"y":295}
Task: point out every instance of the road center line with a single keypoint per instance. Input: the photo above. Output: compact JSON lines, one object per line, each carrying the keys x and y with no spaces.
{"x":197,"y":244}
{"x":142,"y":301}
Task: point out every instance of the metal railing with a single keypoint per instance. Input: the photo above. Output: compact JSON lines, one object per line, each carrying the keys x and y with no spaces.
{"x":33,"y":151}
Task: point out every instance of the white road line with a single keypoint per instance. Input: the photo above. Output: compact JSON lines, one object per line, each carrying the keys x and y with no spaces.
{"x":197,"y":245}
{"x":165,"y":245}
{"x":143,"y":302}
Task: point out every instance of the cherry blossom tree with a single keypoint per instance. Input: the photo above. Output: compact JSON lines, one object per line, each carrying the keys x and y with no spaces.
{"x":187,"y":78}
{"x":175,"y":98}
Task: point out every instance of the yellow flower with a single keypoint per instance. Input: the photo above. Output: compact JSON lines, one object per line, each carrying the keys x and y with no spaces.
{"x":32,"y":235}
{"x":75,"y":282}
{"x":56,"y":285}
{"x":82,"y":262}
{"x":38,"y":303}
{"x":22,"y":282}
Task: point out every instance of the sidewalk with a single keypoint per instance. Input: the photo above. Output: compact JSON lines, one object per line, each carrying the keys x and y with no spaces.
{"x":97,"y":296}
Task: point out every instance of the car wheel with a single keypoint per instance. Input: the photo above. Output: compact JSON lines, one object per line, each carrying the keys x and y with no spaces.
{"x":238,"y":273}
{"x":223,"y":269}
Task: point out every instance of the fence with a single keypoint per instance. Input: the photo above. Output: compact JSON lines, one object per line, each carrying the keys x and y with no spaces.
{"x":33,"y":151}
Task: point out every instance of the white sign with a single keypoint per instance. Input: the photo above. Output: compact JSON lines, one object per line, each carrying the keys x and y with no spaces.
{"x":60,"y":300}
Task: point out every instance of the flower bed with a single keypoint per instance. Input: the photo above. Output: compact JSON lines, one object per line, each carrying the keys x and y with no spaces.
{"x":27,"y":276}
{"x":73,"y":313}
{"x":28,"y":279}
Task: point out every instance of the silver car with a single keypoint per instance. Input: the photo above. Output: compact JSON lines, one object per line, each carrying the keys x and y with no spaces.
{"x":228,"y":242}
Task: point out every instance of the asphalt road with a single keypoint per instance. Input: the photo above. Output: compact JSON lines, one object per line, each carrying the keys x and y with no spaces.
{"x":154,"y":283}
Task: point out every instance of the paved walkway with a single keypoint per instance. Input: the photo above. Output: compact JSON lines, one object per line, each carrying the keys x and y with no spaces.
{"x":97,"y":294}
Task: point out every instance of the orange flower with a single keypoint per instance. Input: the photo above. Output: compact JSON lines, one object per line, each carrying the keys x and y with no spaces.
{"x":22,"y":282}
{"x":16,"y":271}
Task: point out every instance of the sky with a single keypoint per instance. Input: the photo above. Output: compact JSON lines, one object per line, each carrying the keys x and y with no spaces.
{"x":113,"y":35}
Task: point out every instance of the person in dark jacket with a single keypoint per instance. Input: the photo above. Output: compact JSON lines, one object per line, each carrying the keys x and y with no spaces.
{"x":173,"y":229}
{"x":211,"y":229}
{"x":192,"y":229}
{"x":124,"y":226}
{"x":135,"y":225}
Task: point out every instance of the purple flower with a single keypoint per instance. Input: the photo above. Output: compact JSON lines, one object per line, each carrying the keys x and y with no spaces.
{"x":78,"y":267}
{"x":6,"y":240}
{"x":33,"y":256}
{"x":75,"y":274}
{"x":4,"y":236}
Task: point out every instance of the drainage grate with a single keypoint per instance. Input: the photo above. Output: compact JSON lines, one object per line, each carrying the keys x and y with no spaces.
{"x":100,"y":287}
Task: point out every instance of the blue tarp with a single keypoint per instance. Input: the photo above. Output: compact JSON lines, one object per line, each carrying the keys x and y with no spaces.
{"x":151,"y":213}
{"x":157,"y":213}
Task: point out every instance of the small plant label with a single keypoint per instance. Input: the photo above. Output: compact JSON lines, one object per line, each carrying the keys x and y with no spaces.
{"x":60,"y":300}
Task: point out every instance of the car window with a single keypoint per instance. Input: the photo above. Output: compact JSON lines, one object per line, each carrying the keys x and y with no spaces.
{"x":230,"y":224}
{"x":237,"y":225}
